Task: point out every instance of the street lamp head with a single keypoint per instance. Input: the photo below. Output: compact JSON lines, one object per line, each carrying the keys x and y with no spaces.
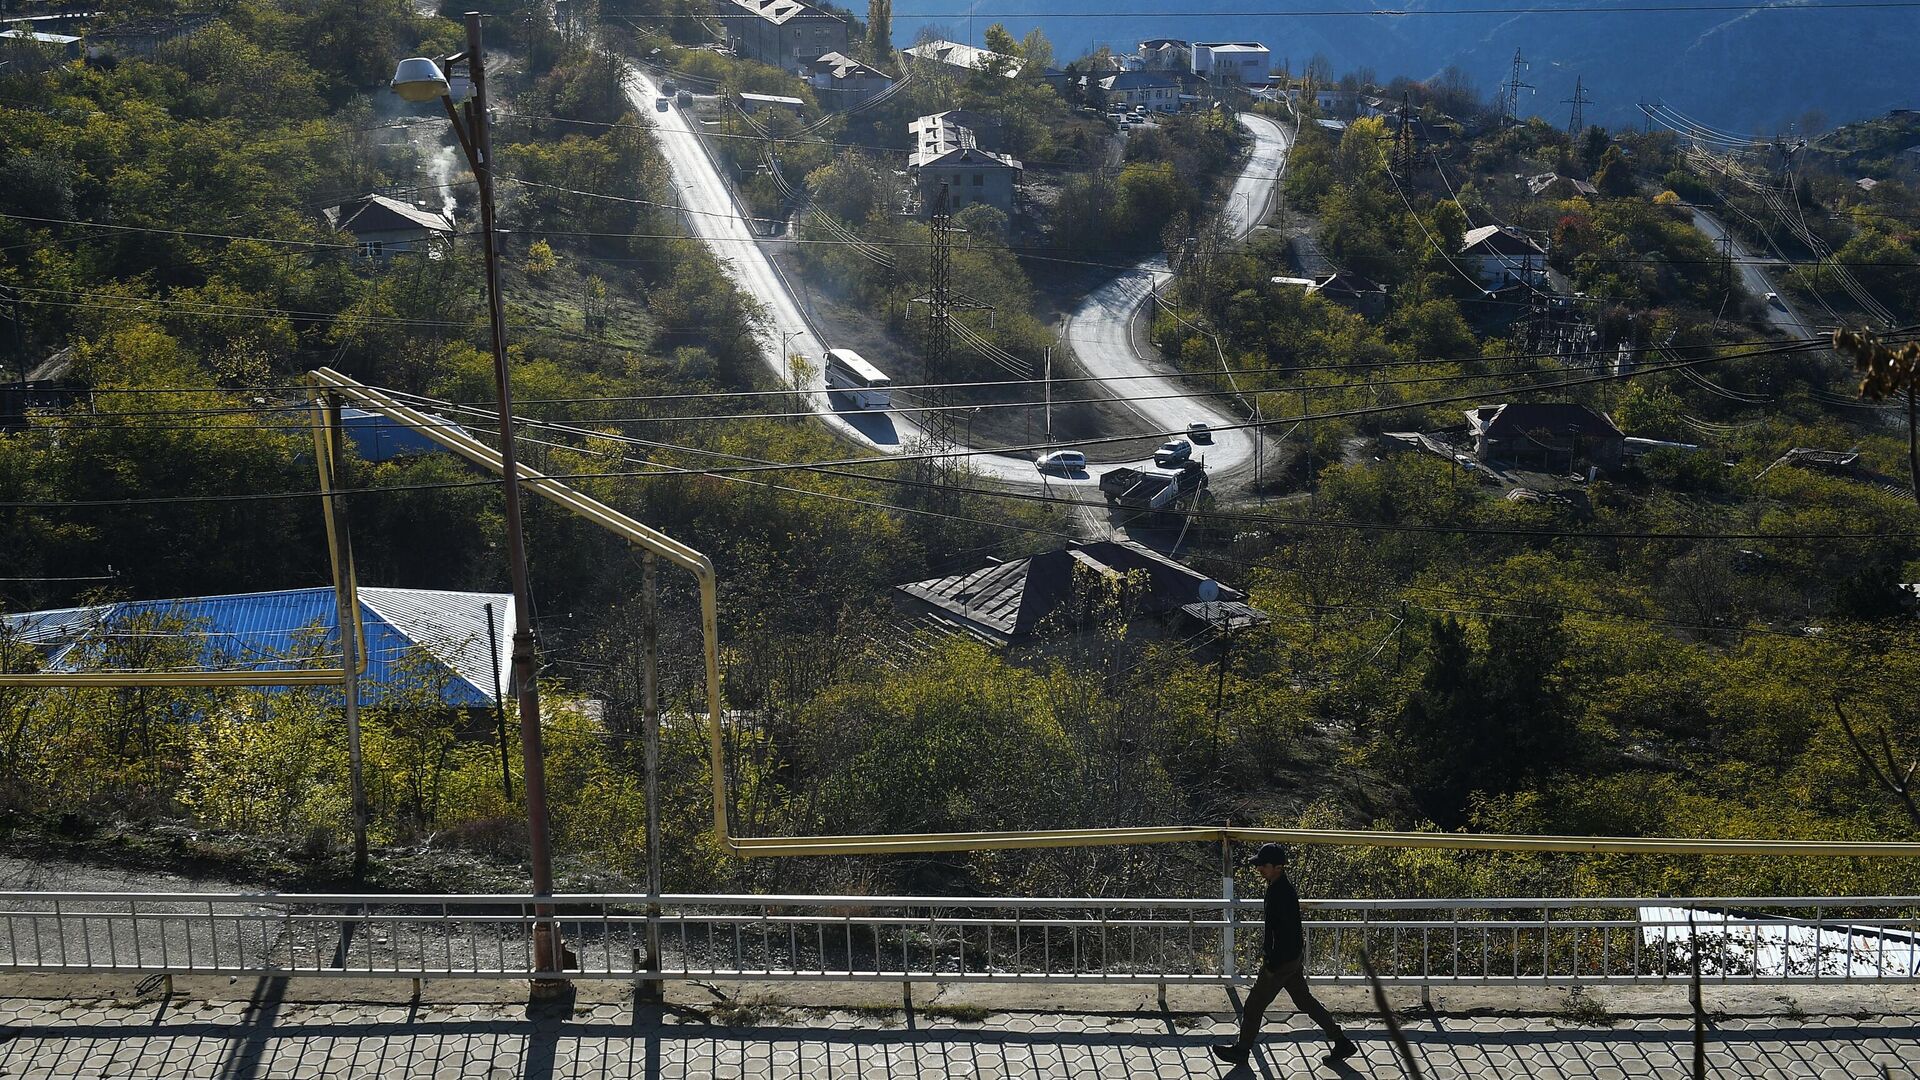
{"x":418,"y":79}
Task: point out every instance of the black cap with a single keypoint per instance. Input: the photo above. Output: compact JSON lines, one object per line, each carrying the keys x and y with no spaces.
{"x":1269,"y":855}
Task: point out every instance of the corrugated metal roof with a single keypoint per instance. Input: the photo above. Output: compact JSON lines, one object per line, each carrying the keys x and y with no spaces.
{"x":274,"y":630}
{"x":1011,"y":599}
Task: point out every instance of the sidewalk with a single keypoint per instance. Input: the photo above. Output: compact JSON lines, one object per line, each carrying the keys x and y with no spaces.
{"x":342,"y":1028}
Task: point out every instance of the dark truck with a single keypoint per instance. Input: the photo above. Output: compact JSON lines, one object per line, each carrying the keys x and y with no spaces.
{"x":1151,"y":489}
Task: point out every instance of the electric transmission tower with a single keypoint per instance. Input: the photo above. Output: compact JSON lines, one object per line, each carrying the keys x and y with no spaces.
{"x":1576,"y":123}
{"x":933,"y":365}
{"x":1510,"y":95}
{"x":1406,"y":155}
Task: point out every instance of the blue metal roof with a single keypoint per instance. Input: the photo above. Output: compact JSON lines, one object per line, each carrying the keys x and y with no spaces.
{"x":377,"y":437}
{"x":293,"y":628}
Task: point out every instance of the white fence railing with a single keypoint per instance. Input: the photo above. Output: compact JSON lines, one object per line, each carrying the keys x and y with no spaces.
{"x":895,"y":938}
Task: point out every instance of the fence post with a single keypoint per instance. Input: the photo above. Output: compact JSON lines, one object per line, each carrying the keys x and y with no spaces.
{"x":1229,"y":963}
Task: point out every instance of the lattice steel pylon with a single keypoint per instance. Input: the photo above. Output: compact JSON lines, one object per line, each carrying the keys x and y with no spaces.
{"x":1406,"y":152}
{"x":1510,"y":95}
{"x":1576,"y":122}
{"x":938,"y":419}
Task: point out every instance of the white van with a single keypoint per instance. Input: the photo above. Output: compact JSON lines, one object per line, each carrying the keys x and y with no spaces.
{"x":1062,"y":461}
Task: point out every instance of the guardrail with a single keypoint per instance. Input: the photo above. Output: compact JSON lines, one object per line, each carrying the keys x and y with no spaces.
{"x":967,"y":939}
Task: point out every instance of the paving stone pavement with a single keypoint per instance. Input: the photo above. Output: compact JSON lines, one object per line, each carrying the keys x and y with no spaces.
{"x":271,"y":1037}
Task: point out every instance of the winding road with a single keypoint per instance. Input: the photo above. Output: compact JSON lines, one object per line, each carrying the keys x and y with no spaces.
{"x":1100,"y":328}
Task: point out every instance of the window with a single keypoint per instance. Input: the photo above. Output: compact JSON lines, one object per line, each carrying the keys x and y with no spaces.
{"x":372,"y":249}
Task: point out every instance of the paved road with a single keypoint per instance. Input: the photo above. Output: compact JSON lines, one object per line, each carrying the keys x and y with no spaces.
{"x":273,"y":1037}
{"x":1753,"y":277}
{"x":714,"y":216}
{"x":1108,"y":332}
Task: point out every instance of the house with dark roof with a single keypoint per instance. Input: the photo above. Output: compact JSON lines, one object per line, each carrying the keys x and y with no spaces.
{"x":1050,"y":593}
{"x":1503,"y":255}
{"x":454,"y":641}
{"x":947,"y":153}
{"x":841,"y":82}
{"x":1558,"y":436}
{"x":1353,"y":292}
{"x":1126,"y":89}
{"x":787,"y":34}
{"x":387,"y":227}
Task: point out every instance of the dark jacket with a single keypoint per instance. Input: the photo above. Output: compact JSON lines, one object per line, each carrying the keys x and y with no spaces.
{"x":1284,"y":938}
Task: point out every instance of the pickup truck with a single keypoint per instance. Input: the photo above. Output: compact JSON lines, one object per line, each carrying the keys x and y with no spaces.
{"x":1142,"y":489}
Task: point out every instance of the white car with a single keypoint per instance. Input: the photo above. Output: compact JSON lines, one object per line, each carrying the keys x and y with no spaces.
{"x":1173,"y":453}
{"x":1773,"y":300}
{"x":1199,"y":432}
{"x":1062,"y":461}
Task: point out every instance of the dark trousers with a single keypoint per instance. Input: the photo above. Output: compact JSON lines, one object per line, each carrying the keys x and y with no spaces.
{"x":1291,"y":977}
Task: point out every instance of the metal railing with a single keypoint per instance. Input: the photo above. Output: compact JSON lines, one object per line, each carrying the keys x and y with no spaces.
{"x":895,"y":938}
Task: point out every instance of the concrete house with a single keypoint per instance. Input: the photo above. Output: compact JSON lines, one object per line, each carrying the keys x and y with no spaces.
{"x":1558,"y":436}
{"x":787,"y":34}
{"x":1502,"y":255}
{"x":1242,"y":63}
{"x":387,"y":227}
{"x":949,"y":153}
{"x":1163,"y":54}
{"x":1127,"y":89}
{"x":841,"y":82}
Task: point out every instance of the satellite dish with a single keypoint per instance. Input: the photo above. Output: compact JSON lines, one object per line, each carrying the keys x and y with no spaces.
{"x":1209,"y":591}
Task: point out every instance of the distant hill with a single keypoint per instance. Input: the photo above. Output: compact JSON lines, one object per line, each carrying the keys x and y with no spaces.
{"x":1756,"y":70}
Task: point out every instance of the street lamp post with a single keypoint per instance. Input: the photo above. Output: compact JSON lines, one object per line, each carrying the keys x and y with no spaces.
{"x":419,"y":79}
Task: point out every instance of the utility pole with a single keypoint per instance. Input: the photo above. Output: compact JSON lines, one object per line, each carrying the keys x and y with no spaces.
{"x":1510,"y":110}
{"x":653,"y":990}
{"x":419,"y":79}
{"x":1048,"y":379}
{"x":1576,"y":123}
{"x":499,"y":707}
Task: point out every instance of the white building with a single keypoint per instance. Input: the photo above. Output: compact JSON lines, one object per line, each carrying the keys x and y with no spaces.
{"x":965,"y":57}
{"x":1243,"y":62}
{"x":948,"y":153}
{"x":1504,"y":255}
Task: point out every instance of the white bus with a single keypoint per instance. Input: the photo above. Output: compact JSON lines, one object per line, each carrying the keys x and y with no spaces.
{"x":850,"y":373}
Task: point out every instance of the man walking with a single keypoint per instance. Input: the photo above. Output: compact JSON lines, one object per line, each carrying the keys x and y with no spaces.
{"x":1283,"y":966}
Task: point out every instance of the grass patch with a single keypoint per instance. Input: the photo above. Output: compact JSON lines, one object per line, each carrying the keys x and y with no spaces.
{"x":884,"y":1015}
{"x":1585,"y":1011}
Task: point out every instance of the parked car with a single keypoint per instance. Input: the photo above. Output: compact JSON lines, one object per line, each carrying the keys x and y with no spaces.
{"x":1173,"y":453}
{"x":668,"y":87}
{"x":1199,"y":432}
{"x":685,"y":99}
{"x":1062,"y":461}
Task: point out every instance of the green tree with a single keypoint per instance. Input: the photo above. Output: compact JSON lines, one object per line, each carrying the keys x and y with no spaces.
{"x":880,"y":29}
{"x":1483,"y":721}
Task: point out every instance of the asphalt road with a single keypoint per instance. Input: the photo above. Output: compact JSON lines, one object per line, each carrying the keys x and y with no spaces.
{"x":1102,"y":336}
{"x":1108,"y":334}
{"x":1753,"y":277}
